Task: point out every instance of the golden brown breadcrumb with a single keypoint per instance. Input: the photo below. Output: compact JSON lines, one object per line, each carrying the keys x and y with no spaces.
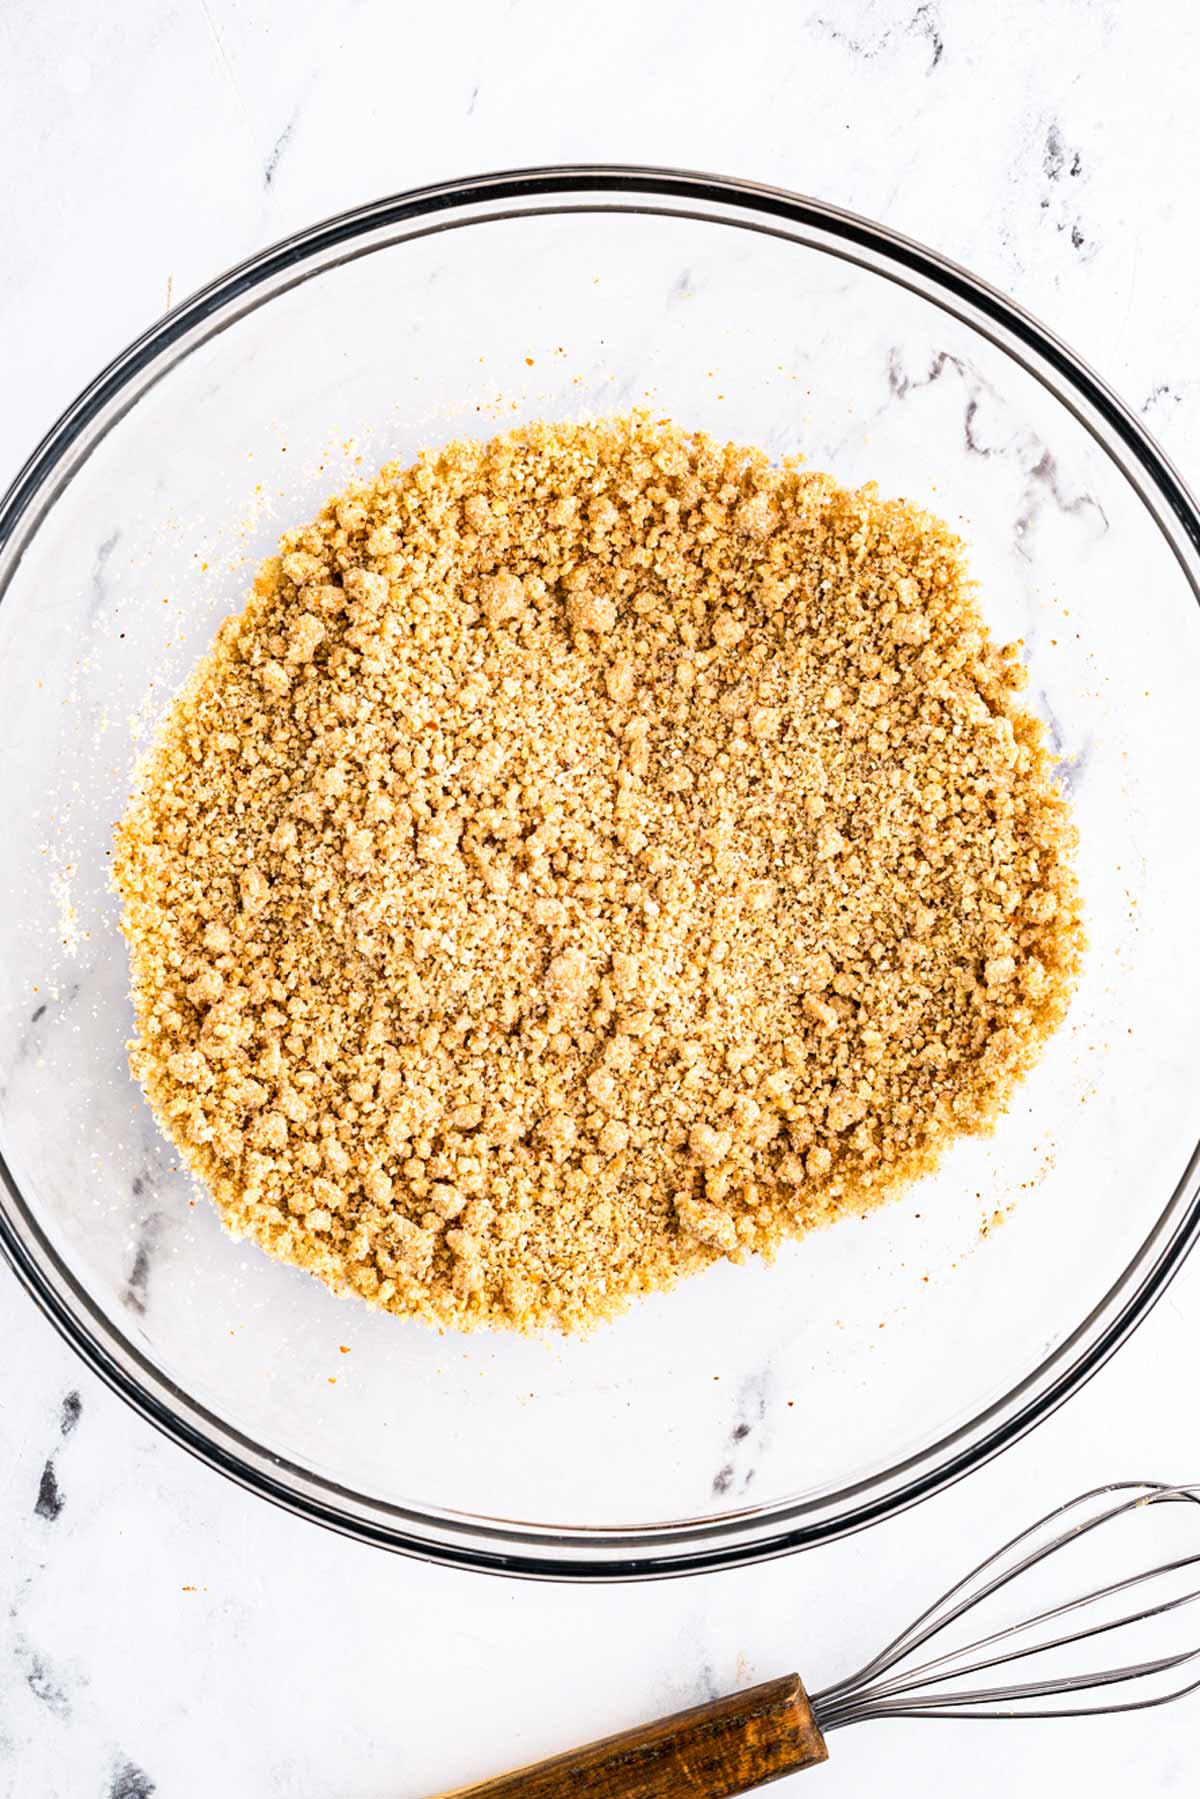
{"x":590,"y":854}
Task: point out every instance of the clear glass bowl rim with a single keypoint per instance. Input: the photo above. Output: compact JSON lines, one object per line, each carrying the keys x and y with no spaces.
{"x":504,"y":1546}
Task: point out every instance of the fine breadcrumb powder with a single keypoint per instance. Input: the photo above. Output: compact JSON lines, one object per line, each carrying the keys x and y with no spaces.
{"x":590,"y":854}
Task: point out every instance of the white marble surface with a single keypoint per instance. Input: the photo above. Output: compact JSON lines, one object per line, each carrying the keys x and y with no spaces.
{"x":163,"y":1632}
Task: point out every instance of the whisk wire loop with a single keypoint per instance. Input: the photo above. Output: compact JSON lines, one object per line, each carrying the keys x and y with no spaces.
{"x":890,"y":1685}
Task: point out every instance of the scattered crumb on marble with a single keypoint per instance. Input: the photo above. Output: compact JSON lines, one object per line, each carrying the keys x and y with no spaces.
{"x":66,"y":915}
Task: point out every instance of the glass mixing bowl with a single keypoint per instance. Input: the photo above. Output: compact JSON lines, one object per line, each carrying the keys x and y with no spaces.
{"x":754,"y":1409}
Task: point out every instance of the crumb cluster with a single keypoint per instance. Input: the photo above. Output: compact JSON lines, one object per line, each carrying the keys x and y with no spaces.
{"x":590,"y":854}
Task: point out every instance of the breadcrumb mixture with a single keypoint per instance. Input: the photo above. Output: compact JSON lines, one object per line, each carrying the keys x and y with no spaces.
{"x":590,"y":854}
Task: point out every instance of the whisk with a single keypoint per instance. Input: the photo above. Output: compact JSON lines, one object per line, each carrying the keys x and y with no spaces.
{"x":732,"y":1744}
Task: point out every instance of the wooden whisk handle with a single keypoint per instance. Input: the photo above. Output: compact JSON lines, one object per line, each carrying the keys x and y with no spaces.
{"x":725,"y":1746}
